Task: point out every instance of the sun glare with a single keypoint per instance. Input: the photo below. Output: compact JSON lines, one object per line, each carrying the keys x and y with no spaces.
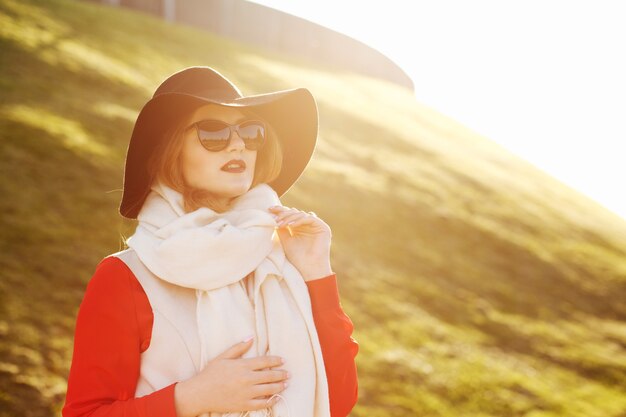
{"x":541,"y":79}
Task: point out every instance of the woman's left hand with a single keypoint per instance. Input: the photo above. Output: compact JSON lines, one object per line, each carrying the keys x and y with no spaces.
{"x":306,"y":241}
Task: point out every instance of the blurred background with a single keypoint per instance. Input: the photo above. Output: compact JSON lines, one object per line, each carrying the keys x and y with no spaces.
{"x":479,"y":282}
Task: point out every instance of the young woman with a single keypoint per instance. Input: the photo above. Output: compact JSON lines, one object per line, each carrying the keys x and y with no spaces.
{"x":225,"y":302}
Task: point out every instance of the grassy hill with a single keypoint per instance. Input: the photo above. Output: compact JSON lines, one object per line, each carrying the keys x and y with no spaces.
{"x":478,"y":285}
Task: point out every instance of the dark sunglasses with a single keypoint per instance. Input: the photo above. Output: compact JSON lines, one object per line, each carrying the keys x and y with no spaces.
{"x":215,"y":135}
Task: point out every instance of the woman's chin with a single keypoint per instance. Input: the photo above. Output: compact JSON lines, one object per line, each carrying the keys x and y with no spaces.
{"x":234,"y":192}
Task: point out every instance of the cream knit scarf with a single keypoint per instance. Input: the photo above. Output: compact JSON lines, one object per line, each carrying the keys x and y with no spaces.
{"x":214,"y":253}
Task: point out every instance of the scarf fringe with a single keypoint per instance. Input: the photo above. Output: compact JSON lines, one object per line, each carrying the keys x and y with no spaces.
{"x":266,"y":412}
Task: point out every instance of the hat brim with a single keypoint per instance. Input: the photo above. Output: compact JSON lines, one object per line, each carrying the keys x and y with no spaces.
{"x":291,"y":113}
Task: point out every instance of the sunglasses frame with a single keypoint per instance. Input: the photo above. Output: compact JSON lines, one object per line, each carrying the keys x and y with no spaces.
{"x":233,"y":128}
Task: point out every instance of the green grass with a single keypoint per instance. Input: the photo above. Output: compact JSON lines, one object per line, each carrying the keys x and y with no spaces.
{"x":478,"y":285}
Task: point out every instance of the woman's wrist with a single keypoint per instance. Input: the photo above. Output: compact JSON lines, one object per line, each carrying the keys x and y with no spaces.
{"x":183,"y":401}
{"x":316,"y":271}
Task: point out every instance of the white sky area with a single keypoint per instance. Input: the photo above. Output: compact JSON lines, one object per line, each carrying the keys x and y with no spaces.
{"x":545,"y":79}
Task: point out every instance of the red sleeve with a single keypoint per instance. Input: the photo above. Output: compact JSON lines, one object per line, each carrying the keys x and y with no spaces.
{"x":339,"y":349}
{"x":113,"y":327}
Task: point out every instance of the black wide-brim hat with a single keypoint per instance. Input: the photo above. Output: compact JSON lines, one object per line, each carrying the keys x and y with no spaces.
{"x":291,"y":113}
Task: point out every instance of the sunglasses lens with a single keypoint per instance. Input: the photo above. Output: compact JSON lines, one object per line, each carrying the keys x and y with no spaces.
{"x":253,"y":134}
{"x":213,"y":134}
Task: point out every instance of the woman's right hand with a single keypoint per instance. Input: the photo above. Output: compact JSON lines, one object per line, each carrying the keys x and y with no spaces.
{"x":231,"y":383}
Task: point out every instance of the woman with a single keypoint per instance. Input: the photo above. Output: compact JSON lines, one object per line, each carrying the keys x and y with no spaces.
{"x":225,"y":301}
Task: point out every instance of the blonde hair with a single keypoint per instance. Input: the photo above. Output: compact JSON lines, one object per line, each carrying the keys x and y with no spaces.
{"x":166,"y":165}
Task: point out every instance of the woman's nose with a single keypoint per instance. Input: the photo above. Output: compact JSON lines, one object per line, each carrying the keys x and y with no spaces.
{"x":236,"y":143}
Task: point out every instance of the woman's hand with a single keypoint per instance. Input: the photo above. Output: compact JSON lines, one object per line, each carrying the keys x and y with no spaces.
{"x":231,"y":384}
{"x":306,"y":241}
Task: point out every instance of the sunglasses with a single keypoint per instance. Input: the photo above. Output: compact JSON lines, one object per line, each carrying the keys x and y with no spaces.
{"x":215,"y":135}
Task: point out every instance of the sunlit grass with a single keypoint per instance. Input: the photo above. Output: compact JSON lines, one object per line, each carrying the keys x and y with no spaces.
{"x":69,"y":132}
{"x":478,"y":285}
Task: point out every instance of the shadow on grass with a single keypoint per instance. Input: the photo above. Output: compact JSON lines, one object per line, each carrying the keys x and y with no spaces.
{"x":15,"y":395}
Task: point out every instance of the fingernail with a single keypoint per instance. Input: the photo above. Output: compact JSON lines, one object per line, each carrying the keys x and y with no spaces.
{"x":249,"y":338}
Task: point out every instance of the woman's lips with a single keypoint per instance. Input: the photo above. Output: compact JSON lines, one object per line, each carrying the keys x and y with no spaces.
{"x":234,"y":166}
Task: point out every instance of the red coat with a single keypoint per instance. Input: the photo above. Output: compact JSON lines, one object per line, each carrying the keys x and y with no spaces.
{"x":114,"y":326}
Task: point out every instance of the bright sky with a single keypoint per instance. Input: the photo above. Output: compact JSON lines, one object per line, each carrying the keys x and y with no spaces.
{"x":545,"y":79}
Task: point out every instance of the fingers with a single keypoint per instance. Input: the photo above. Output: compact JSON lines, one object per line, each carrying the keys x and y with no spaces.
{"x":264,"y":377}
{"x":268,"y":389}
{"x":286,"y":216}
{"x":262,"y":362}
{"x":255,"y":363}
{"x":300,"y":221}
{"x":280,"y":209}
{"x":233,"y":382}
{"x":236,"y":350}
{"x":292,"y":219}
